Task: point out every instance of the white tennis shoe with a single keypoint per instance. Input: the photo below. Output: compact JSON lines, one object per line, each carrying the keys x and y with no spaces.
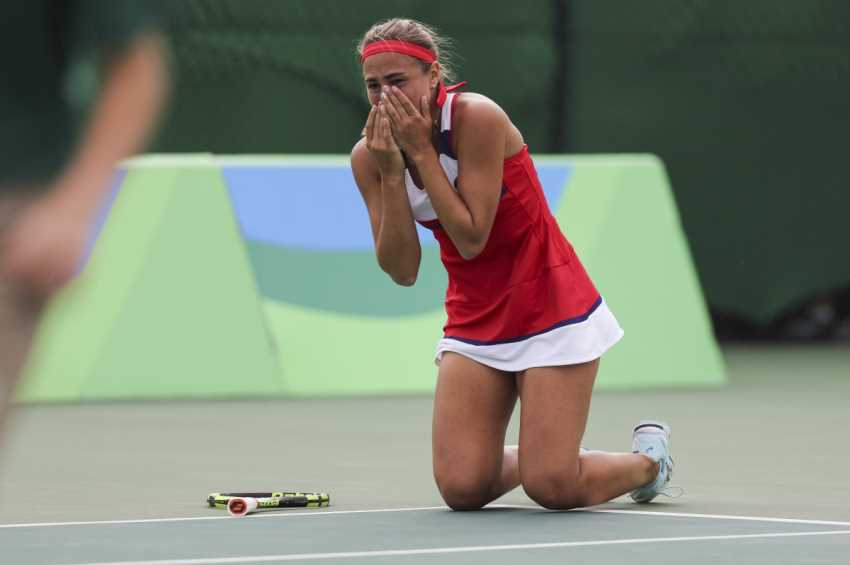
{"x":652,"y":439}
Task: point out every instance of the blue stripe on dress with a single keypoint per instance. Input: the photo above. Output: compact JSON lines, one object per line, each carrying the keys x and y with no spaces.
{"x":562,"y":323}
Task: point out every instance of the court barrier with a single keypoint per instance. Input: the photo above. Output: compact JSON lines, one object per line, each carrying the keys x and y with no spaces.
{"x":222,"y":277}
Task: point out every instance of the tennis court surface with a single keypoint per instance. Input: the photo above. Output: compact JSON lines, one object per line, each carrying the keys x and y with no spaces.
{"x":763,"y":462}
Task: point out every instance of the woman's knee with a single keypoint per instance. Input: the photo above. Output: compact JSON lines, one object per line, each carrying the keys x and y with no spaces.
{"x":464,"y":491}
{"x":553,"y":490}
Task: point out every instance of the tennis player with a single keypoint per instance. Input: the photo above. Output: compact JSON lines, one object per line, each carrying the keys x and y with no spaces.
{"x":52,"y":182}
{"x":524,"y":319}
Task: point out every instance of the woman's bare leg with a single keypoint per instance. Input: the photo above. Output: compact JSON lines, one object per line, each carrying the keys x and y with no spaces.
{"x":472,"y":406}
{"x":555,"y":404}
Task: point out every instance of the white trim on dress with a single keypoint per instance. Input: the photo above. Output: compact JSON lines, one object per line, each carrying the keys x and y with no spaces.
{"x":567,"y":345}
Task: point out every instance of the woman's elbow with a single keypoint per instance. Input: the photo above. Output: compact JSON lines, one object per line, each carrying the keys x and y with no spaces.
{"x":401,"y":277}
{"x":471,"y":250}
{"x":404,"y":280}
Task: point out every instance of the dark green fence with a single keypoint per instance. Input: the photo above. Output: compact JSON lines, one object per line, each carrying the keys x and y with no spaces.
{"x":748,"y":103}
{"x":276,"y":76}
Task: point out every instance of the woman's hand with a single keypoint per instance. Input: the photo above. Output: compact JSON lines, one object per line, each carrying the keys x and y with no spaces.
{"x":382,"y":146}
{"x":411,"y":126}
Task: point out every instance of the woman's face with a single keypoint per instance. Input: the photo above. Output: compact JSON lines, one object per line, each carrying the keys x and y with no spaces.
{"x":401,"y":71}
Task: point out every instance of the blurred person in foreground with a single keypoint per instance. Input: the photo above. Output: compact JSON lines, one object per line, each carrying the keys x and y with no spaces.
{"x":55,"y":168}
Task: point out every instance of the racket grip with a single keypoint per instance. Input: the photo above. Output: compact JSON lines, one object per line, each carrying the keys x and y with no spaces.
{"x":241,"y":506}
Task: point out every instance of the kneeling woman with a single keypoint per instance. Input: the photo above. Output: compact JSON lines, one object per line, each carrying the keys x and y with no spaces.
{"x":524,"y":318}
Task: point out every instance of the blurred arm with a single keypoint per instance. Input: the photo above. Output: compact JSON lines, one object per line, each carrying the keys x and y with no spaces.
{"x":41,"y":251}
{"x":120,"y":124}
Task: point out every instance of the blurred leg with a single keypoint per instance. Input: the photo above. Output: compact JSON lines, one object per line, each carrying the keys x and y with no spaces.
{"x":19,"y":315}
{"x":472,"y":406}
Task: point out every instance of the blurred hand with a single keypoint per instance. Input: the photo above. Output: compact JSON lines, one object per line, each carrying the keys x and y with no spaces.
{"x":380,"y":142}
{"x":42,"y":249}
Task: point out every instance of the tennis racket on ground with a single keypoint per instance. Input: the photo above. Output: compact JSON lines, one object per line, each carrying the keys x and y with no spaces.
{"x":244,"y":503}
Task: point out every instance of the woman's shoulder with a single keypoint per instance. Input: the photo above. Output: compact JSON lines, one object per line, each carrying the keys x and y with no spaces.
{"x":360,"y":155}
{"x":359,"y":148}
{"x":477,"y":105}
{"x":362,"y":162}
{"x":471,"y":108}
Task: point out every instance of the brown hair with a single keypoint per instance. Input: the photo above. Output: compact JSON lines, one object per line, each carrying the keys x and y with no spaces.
{"x":412,"y":31}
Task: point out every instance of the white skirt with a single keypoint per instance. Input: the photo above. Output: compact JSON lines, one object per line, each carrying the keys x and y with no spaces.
{"x":565,"y":345}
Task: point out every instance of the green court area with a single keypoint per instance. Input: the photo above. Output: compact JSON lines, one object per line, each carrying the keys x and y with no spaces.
{"x":762,"y":461}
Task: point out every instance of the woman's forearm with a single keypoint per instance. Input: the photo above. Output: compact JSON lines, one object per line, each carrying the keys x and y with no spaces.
{"x":397,"y":245}
{"x":455,"y":217}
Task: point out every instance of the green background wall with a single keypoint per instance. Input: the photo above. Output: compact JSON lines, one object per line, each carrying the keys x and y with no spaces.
{"x":254,"y":276}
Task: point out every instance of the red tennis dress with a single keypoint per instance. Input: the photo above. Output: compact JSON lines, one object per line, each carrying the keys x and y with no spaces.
{"x":525,"y":301}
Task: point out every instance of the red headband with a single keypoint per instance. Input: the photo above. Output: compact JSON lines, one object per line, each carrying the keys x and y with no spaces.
{"x":397,"y":46}
{"x":413,"y":50}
